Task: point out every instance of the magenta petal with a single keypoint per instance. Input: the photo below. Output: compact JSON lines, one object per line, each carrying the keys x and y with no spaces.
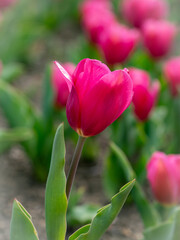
{"x":143,"y":102}
{"x":87,"y":74}
{"x":73,"y":109}
{"x":65,"y":75}
{"x":105,"y":102}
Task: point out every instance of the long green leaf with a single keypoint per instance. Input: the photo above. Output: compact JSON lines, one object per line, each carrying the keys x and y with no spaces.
{"x":148,"y":213}
{"x":105,"y":216}
{"x":10,"y":136}
{"x":55,"y":198}
{"x":16,"y":134}
{"x":21,"y":224}
{"x":16,"y":107}
{"x":47,"y":101}
{"x":19,"y":113}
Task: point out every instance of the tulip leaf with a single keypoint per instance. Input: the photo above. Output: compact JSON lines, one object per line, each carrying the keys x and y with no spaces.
{"x":16,"y":107}
{"x":15,"y":135}
{"x":80,"y":231}
{"x":104,"y":216}
{"x":55,"y":197}
{"x":83,"y":214}
{"x":19,"y":113}
{"x":168,"y":230}
{"x":47,"y":101}
{"x":148,"y":213}
{"x":21,"y":224}
{"x":11,"y":72}
{"x":10,"y":136}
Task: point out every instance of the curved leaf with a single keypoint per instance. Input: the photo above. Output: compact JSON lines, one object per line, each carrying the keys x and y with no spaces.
{"x":105,"y":216}
{"x":21,"y":224}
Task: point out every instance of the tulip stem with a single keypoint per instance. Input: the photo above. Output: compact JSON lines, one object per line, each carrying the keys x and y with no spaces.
{"x":74,"y":165}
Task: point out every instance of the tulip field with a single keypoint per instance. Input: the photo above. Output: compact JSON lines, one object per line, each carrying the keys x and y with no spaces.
{"x":90,"y":120}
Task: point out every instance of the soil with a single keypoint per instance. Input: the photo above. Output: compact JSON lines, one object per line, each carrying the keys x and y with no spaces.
{"x":17,"y":180}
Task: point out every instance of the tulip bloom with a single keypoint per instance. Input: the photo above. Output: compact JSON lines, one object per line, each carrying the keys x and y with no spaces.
{"x":138,"y":11}
{"x":163,"y":173}
{"x":117,"y":42}
{"x":145,"y":96}
{"x":60,"y":86}
{"x":96,"y":15}
{"x":6,"y":3}
{"x":172,"y":74}
{"x":97,"y":96}
{"x":158,"y":37}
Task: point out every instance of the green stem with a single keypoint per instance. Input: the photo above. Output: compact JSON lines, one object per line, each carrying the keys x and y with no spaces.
{"x":74,"y":165}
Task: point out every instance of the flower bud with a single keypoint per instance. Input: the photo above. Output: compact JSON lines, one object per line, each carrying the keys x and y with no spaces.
{"x":117,"y":42}
{"x":138,"y":11}
{"x":163,"y":173}
{"x":158,"y":37}
{"x":60,"y":87}
{"x":97,"y":96}
{"x":172,"y":74}
{"x":145,"y":95}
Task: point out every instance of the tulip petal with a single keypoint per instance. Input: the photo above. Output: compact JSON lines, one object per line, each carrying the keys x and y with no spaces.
{"x":73,"y":109}
{"x":65,"y":75}
{"x":88,"y":72}
{"x":143,"y":102}
{"x":105,"y":102}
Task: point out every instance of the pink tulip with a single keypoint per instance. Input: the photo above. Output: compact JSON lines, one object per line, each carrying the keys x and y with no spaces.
{"x":96,"y":15}
{"x":6,"y":3}
{"x":145,"y":96}
{"x":158,"y":37}
{"x":60,"y":86}
{"x":163,"y":173}
{"x":97,"y":96}
{"x":117,"y":42}
{"x":137,"y":11}
{"x":172,"y":74}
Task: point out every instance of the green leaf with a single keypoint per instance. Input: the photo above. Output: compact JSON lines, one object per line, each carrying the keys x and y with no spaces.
{"x":80,"y":231}
{"x":55,"y":197}
{"x":11,"y":72}
{"x":15,"y":135}
{"x":168,"y":230}
{"x":148,"y":213}
{"x":16,"y":107}
{"x":104,"y":217}
{"x":82,"y":214}
{"x":47,"y":100}
{"x":19,"y":113}
{"x":21,"y":224}
{"x":10,"y":136}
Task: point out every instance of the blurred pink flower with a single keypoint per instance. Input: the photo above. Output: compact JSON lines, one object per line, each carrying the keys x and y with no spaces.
{"x":163,"y":173}
{"x":6,"y":3}
{"x":172,"y":74}
{"x":117,"y":42}
{"x":59,"y":84}
{"x":97,"y":96}
{"x":96,"y":15}
{"x":137,"y":11}
{"x":145,"y":93}
{"x":158,"y":37}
